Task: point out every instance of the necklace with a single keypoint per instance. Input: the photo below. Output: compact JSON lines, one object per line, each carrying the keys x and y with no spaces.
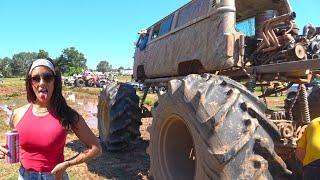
{"x":40,"y":110}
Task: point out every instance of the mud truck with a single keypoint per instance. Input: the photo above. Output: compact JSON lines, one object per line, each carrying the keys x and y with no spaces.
{"x":207,"y":122}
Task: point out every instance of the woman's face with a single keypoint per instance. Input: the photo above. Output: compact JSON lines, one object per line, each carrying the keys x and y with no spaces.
{"x":42,"y":82}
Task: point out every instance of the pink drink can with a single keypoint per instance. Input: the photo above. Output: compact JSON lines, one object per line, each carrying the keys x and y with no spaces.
{"x":12,"y":142}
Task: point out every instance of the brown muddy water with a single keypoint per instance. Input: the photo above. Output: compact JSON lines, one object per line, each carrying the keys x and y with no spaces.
{"x":7,"y":110}
{"x":85,"y":105}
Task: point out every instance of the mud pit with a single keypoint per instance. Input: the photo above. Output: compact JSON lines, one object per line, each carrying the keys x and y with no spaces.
{"x":125,"y":165}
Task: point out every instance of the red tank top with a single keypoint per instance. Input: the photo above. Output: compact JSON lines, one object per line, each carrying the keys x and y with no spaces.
{"x":42,"y":140}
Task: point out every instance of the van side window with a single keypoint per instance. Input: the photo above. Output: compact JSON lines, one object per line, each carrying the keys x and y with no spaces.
{"x":156,"y":31}
{"x":163,"y":27}
{"x":166,"y":25}
{"x":191,"y":11}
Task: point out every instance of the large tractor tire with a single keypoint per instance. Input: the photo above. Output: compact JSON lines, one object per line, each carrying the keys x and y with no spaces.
{"x":90,"y":82}
{"x":80,"y":83}
{"x":119,"y":117}
{"x":102,"y":82}
{"x":211,"y":127}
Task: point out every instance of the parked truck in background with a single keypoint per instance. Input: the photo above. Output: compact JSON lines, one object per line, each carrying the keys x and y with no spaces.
{"x":206,"y":124}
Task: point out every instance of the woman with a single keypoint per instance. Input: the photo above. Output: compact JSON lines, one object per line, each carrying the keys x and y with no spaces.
{"x":43,"y":125}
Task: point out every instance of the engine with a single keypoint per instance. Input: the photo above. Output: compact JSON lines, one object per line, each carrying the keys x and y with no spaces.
{"x":280,"y":42}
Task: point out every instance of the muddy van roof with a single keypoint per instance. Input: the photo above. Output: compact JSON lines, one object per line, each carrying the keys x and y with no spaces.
{"x":245,"y":8}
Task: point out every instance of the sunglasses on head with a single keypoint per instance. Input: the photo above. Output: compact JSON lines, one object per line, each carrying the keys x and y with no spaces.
{"x":46,"y":77}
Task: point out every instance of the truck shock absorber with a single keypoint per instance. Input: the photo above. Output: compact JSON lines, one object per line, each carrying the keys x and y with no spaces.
{"x":304,"y":106}
{"x":252,"y":82}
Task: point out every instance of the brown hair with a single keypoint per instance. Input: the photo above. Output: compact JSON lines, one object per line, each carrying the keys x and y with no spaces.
{"x":67,"y":116}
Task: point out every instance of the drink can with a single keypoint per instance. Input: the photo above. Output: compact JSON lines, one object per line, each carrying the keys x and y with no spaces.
{"x":12,"y":142}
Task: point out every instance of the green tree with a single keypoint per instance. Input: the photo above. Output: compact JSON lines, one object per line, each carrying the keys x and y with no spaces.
{"x":120,"y":69}
{"x":21,"y":62}
{"x":74,"y":70}
{"x":71,"y":61}
{"x":5,"y":68}
{"x":42,"y":54}
{"x":104,"y":66}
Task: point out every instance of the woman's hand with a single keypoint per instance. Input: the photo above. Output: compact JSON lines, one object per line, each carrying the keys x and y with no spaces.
{"x":3,"y":151}
{"x":59,"y":170}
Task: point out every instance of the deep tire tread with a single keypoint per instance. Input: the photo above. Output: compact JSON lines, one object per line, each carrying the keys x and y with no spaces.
{"x":227,"y":118}
{"x":124,"y":118}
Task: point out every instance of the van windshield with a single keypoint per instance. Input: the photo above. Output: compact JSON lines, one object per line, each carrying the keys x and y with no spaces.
{"x":247,"y":26}
{"x":250,"y":8}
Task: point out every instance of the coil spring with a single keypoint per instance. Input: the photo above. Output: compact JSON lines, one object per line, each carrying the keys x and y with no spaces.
{"x":304,"y":106}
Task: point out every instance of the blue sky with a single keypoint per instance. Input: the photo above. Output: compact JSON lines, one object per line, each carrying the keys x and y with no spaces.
{"x":100,"y":29}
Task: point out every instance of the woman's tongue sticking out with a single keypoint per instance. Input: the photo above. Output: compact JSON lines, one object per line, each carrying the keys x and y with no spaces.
{"x":43,"y":93}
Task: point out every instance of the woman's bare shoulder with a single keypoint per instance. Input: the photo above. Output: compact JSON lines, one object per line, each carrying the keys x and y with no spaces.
{"x":17,"y":115}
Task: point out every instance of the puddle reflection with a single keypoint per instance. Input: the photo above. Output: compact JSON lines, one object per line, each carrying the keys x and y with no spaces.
{"x":86,"y":106}
{"x":8,"y":111}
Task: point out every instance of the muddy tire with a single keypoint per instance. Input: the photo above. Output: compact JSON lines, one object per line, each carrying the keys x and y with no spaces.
{"x":119,"y":117}
{"x":212,"y":128}
{"x":80,"y":83}
{"x":90,"y":83}
{"x":102,"y":82}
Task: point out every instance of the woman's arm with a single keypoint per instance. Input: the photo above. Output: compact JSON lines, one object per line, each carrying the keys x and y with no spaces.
{"x":14,"y":120}
{"x":87,"y":137}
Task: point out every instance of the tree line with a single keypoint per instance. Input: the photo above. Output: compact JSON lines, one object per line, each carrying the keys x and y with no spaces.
{"x":70,"y":62}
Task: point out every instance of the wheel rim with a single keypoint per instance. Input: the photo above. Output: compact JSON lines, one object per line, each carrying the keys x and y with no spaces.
{"x":177,"y":153}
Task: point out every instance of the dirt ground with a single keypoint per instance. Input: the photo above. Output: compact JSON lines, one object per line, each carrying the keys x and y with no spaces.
{"x":132,"y":164}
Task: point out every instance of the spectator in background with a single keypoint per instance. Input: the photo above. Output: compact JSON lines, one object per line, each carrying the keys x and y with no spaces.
{"x":143,"y":39}
{"x":308,"y":150}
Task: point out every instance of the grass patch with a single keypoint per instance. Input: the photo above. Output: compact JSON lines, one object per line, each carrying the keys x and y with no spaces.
{"x":12,"y":82}
{"x":151,"y":98}
{"x":12,"y":95}
{"x":14,"y":101}
{"x":87,"y":90}
{"x":11,"y":88}
{"x":9,"y":171}
{"x":282,"y":98}
{"x":124,"y":78}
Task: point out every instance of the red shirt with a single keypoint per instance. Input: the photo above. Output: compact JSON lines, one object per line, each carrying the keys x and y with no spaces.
{"x":42,"y":140}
